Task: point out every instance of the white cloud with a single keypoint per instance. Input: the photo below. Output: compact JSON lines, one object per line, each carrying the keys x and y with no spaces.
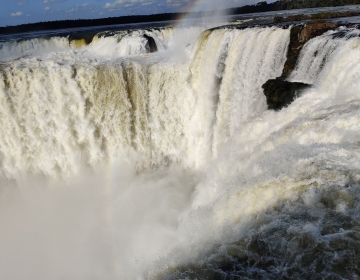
{"x":16,"y":14}
{"x":126,"y":3}
{"x":48,"y":2}
{"x":176,"y":3}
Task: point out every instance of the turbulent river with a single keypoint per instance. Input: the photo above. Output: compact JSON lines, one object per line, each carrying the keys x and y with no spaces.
{"x":151,"y":154}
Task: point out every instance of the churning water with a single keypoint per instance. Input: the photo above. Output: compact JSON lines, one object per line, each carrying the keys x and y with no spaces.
{"x":119,"y":162}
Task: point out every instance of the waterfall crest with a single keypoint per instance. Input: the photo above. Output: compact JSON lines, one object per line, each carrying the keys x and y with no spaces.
{"x":167,"y":112}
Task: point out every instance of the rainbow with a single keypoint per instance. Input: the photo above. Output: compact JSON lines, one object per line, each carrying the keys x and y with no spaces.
{"x":187,"y":9}
{"x":193,"y":4}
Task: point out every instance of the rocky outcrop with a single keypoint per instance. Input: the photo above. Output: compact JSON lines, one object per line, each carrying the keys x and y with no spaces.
{"x":280,"y":93}
{"x":299,"y":36}
{"x":83,"y":37}
{"x":78,"y":43}
{"x":151,"y":44}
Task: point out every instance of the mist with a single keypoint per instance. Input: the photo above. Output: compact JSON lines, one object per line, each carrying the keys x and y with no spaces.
{"x":106,"y":226}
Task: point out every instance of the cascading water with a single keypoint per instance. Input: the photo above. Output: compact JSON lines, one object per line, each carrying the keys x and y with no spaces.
{"x":119,"y":163}
{"x":317,"y":52}
{"x":110,"y":45}
{"x":14,"y":49}
{"x":165,"y":112}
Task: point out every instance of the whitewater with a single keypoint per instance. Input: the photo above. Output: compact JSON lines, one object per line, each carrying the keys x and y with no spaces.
{"x":143,"y":156}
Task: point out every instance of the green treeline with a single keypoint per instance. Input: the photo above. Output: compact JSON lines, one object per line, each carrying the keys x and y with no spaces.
{"x":291,"y":4}
{"x":298,"y":4}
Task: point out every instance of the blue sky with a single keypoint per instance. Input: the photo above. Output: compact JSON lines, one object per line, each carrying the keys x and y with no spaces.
{"x":14,"y":12}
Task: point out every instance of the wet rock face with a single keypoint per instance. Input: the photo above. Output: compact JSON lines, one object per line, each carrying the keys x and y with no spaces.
{"x":151,"y":44}
{"x":314,"y":29}
{"x":85,"y":37}
{"x":280,"y":93}
{"x":299,"y":36}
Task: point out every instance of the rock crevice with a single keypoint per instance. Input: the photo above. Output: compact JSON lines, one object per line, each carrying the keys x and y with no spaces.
{"x":280,"y":93}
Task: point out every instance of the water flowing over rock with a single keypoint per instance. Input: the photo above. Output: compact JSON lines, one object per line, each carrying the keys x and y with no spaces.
{"x":281,"y":92}
{"x":130,"y":158}
{"x":168,"y":113}
{"x":299,"y":36}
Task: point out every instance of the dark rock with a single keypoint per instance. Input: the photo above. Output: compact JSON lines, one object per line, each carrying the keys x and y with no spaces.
{"x":299,"y":36}
{"x":87,"y":37}
{"x":151,"y":44}
{"x":280,"y":93}
{"x":314,"y":29}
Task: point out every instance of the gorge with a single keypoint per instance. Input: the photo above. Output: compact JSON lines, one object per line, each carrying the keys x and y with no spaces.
{"x":144,"y":154}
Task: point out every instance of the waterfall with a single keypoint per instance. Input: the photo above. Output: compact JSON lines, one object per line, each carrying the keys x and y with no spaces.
{"x":241,"y":95}
{"x":317,"y":52}
{"x":110,"y":45}
{"x":14,"y":49}
{"x":118,"y":161}
{"x":285,"y":186}
{"x":165,"y":112}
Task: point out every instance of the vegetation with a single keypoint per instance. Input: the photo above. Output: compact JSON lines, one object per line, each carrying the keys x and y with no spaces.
{"x":318,"y":16}
{"x":291,"y":4}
